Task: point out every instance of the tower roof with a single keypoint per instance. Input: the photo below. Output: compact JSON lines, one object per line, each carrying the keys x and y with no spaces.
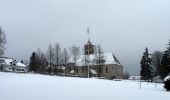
{"x":89,"y":42}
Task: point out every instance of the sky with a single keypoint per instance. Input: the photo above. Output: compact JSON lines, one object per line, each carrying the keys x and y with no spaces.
{"x":124,"y":27}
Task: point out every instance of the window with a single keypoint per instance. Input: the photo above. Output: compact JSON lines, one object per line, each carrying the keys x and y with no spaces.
{"x":106,"y":70}
{"x":82,"y":69}
{"x":77,"y":70}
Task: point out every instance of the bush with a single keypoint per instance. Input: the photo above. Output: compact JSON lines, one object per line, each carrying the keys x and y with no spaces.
{"x":167,"y":83}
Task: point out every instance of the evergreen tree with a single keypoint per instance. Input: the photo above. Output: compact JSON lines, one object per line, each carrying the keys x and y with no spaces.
{"x":165,"y":63}
{"x":33,"y":62}
{"x":2,"y":42}
{"x":38,"y":62}
{"x":146,"y":69}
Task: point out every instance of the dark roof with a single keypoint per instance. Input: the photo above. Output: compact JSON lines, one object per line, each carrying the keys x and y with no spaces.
{"x":89,"y":42}
{"x":116,"y":59}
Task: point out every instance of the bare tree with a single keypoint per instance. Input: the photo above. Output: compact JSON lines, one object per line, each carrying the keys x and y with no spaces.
{"x":65,"y":58}
{"x":2,"y":42}
{"x":75,"y":52}
{"x":57,"y":53}
{"x":156,"y":61}
{"x":50,"y":54}
{"x":39,"y":52}
{"x":99,"y":58}
{"x":26,"y":62}
{"x":57,"y":56}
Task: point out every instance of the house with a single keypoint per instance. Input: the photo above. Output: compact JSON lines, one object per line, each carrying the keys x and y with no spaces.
{"x":109,"y":68}
{"x":7,"y":64}
{"x":135,"y":77}
{"x":10,"y":65}
{"x":20,"y":67}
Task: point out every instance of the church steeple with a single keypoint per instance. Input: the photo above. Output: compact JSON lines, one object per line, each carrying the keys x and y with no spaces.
{"x":89,"y":47}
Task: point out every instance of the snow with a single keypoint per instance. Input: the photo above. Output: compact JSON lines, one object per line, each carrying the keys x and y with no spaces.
{"x":167,"y":78}
{"x":20,"y":64}
{"x":134,"y":77}
{"x":109,"y":59}
{"x":17,"y":86}
{"x":7,"y":61}
{"x":72,"y":71}
{"x":93,"y":71}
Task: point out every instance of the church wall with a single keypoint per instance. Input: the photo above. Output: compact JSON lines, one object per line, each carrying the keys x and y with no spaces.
{"x":112,"y":71}
{"x":108,"y":71}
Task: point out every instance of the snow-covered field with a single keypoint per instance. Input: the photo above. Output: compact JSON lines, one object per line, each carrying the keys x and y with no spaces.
{"x":41,"y":87}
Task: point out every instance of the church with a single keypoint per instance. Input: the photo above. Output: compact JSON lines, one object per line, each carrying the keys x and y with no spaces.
{"x":95,"y":64}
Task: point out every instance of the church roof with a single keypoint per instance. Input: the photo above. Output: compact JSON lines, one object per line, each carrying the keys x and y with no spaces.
{"x":109,"y":58}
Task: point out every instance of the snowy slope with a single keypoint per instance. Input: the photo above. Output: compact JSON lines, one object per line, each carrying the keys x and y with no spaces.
{"x":40,"y":87}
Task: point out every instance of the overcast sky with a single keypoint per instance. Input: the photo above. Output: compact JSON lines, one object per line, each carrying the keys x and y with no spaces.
{"x":124,"y":27}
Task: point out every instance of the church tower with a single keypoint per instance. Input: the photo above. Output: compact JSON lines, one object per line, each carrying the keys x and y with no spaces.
{"x":89,"y":48}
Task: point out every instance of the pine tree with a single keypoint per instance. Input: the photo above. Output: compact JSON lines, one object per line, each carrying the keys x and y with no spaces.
{"x":33,"y":62}
{"x":165,"y":63}
{"x":146,"y":69}
{"x":2,"y":42}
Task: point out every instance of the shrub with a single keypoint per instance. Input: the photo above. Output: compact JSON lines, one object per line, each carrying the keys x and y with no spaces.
{"x":167,"y":83}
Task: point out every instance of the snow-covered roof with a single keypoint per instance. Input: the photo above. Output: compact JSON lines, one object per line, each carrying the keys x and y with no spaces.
{"x":82,"y":59}
{"x":20,"y":64}
{"x":7,"y":61}
{"x":134,"y":77}
{"x":10,"y":61}
{"x":167,"y":78}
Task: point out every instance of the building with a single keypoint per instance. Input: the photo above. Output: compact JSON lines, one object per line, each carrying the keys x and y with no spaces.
{"x":10,"y":65}
{"x":20,"y":67}
{"x":109,"y":66}
{"x":6,"y":64}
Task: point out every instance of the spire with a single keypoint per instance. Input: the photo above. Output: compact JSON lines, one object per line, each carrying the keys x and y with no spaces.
{"x":88,"y":32}
{"x":89,"y":47}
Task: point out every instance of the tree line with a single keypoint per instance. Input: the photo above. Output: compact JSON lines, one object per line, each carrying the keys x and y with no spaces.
{"x":156,"y":64}
{"x":54,"y":57}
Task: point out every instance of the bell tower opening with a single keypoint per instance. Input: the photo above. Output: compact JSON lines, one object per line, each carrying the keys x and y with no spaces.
{"x":89,"y":48}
